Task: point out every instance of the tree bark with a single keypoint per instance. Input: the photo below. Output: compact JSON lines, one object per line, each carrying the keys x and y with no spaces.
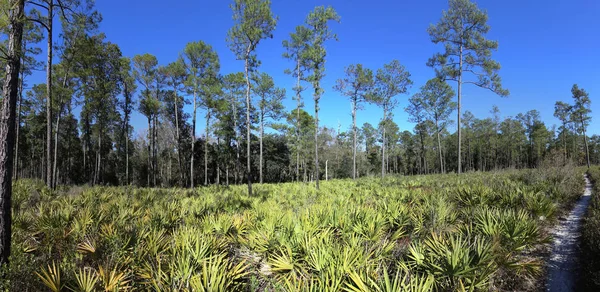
{"x":383,"y":144}
{"x":458,"y":125}
{"x":298,"y":99}
{"x":564,"y":143}
{"x":218,"y":151}
{"x":178,"y":137}
{"x":7,"y":124}
{"x":317,"y":135}
{"x":437,"y":129}
{"x":587,"y":150}
{"x":262,"y":121}
{"x":193,"y":139}
{"x":49,"y":97}
{"x":354,"y":138}
{"x":248,"y":167}
{"x":18,"y":114}
{"x":55,"y":176}
{"x":149,"y":150}
{"x":154,"y":149}
{"x":127,"y":101}
{"x":206,"y":148}
{"x":237,"y":143}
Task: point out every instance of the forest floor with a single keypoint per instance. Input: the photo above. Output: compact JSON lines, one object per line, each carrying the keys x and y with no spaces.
{"x":563,"y":264}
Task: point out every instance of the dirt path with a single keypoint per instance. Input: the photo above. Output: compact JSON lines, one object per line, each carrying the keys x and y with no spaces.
{"x":562,"y":268}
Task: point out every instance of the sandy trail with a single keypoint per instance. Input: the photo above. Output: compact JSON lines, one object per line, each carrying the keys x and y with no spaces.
{"x":562,"y":268}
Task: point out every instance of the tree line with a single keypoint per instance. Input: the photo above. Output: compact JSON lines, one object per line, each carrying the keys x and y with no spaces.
{"x":248,"y":135}
{"x":99,"y":146}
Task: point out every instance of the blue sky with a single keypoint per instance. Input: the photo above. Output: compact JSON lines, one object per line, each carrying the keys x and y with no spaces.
{"x":544,"y":47}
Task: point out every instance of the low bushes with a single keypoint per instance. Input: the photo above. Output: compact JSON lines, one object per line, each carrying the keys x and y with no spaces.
{"x":477,"y":231}
{"x":590,"y":240}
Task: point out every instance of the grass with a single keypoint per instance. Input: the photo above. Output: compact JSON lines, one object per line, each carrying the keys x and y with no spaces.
{"x":590,"y":238}
{"x":475,"y":232}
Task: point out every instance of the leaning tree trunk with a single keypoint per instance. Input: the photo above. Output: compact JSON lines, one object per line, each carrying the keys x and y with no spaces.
{"x":18,"y":114}
{"x":437,"y":129}
{"x":7,"y":124}
{"x":49,"y":97}
{"x":178,"y":137}
{"x":55,"y":175}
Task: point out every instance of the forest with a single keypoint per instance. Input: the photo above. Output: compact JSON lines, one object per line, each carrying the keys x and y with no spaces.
{"x":76,"y":127}
{"x":210,"y":194}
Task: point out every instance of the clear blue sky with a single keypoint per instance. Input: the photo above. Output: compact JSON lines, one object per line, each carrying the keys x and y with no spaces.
{"x":545,"y":46}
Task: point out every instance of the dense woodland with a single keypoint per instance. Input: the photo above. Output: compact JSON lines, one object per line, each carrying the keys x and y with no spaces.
{"x":75,"y":128}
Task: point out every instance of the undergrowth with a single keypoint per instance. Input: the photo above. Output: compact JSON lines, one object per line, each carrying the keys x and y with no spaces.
{"x":474,"y":232}
{"x":590,"y":238}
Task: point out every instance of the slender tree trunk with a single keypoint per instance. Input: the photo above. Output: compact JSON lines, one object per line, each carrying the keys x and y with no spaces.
{"x":127,"y":155}
{"x":193,"y":139}
{"x":249,"y":166}
{"x":85,"y":166}
{"x":127,"y":101}
{"x":237,"y":143}
{"x":7,"y":124}
{"x":56,"y":129}
{"x":178,"y":137}
{"x":423,"y":154}
{"x":587,"y":149}
{"x":154,"y":150}
{"x":354,"y":138}
{"x":383,"y":144}
{"x":305,"y":169}
{"x":262,"y":125}
{"x":149,"y":150}
{"x":97,"y":168}
{"x":170,"y":170}
{"x":206,"y":148}
{"x":564,"y":143}
{"x":298,"y":99}
{"x":458,"y":124}
{"x":55,"y":177}
{"x":49,"y":97}
{"x":18,"y":122}
{"x":217,"y":161}
{"x":437,"y":129}
{"x":317,"y":97}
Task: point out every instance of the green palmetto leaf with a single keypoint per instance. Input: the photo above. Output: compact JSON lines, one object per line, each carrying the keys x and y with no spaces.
{"x":282,"y":262}
{"x":51,"y":278}
{"x":357,"y":284}
{"x":218,"y":274}
{"x":86,"y":280}
{"x":113,"y":280}
{"x":87,"y":246}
